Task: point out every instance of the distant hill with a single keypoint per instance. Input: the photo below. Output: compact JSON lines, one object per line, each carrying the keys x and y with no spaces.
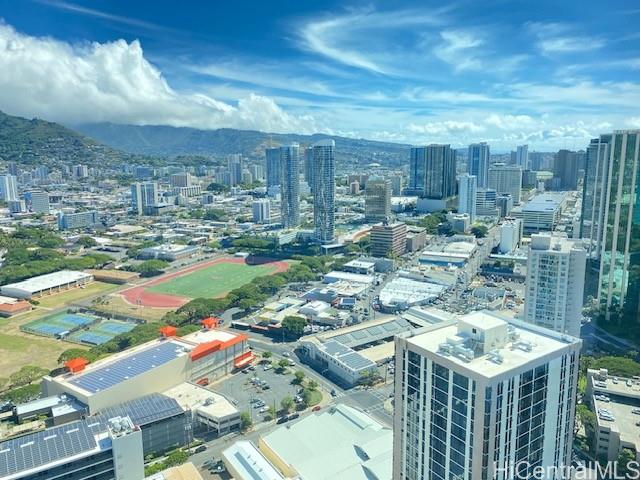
{"x":37,"y":141}
{"x":173,"y":141}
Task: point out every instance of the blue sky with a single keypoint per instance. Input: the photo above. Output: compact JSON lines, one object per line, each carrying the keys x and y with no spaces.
{"x":551,"y":74}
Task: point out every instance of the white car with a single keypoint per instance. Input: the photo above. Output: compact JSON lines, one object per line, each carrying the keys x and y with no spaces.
{"x":267,"y":367}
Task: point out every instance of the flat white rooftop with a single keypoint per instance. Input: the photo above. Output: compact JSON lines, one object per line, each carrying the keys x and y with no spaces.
{"x":525,"y":344}
{"x":195,"y":397}
{"x":205,"y":336}
{"x":44,"y":282}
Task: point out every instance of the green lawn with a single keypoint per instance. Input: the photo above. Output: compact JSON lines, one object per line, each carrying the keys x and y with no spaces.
{"x":211,"y":282}
{"x":61,"y":299}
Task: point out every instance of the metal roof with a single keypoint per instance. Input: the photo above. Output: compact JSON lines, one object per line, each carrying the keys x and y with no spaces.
{"x":372,"y":334}
{"x":136,"y":363}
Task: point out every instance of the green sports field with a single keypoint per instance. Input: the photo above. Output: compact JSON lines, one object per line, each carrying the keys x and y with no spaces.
{"x":213,"y":281}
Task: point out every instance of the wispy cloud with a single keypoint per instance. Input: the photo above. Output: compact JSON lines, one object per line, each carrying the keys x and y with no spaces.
{"x":559,"y":38}
{"x":81,"y":10}
{"x":458,"y":48}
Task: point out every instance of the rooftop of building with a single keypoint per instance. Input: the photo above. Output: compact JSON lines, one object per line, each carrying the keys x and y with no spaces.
{"x":186,"y":471}
{"x":121,"y":366}
{"x":340,"y":443}
{"x":554,"y":242}
{"x":245,"y":459}
{"x":488,"y":345}
{"x":50,"y":280}
{"x":195,"y":397}
{"x":545,"y":202}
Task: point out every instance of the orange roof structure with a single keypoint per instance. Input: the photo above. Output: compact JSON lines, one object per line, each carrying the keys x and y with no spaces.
{"x":210,"y":322}
{"x":244,"y":359}
{"x":168,"y":331}
{"x":207,"y":348}
{"x":77,"y":364}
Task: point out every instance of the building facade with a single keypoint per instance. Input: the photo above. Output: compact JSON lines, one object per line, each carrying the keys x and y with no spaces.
{"x":144,"y":195}
{"x":432,"y":171}
{"x":8,"y":188}
{"x":477,"y":398}
{"x":467,"y":192}
{"x":70,"y":221}
{"x":565,"y":169}
{"x":273,"y":167}
{"x":555,"y":283}
{"x":290,"y":185}
{"x":261,"y":211}
{"x":522,"y":157}
{"x":377,"y":200}
{"x":595,"y":182}
{"x":324,"y":190}
{"x":619,"y":284}
{"x":506,"y":179}
{"x":388,"y":239}
{"x":478,"y":163}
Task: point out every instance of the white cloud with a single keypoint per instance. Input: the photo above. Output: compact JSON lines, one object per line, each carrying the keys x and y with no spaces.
{"x":114,"y":82}
{"x":558,"y":38}
{"x":634,"y":122}
{"x":510,"y":122}
{"x":447,"y":127}
{"x":458,"y":49}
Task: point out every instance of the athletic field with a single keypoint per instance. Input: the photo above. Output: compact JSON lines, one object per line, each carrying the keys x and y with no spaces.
{"x":212,"y":279}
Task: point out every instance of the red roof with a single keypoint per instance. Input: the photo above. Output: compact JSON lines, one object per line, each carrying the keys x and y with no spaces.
{"x":244,"y":359}
{"x":168,"y":331}
{"x":76,"y":364}
{"x":210,"y":322}
{"x":205,"y":349}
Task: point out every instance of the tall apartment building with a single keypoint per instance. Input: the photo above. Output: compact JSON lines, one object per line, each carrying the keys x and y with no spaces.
{"x":308,"y":168}
{"x":144,"y":195}
{"x":273,"y":167}
{"x":80,"y":171}
{"x":522,"y":156}
{"x":261,"y":211}
{"x":8,"y":188}
{"x":594,"y":194}
{"x":565,"y":169}
{"x":324,"y":190}
{"x":467,"y":193}
{"x":397,"y":184}
{"x":290,"y":185}
{"x":478,"y":163}
{"x":38,"y":201}
{"x":480,"y":398}
{"x":432,"y":171}
{"x":71,"y":221}
{"x":506,"y":179}
{"x":619,"y":283}
{"x":179,"y":180}
{"x":235,"y":168}
{"x":377,"y":200}
{"x":555,"y":283}
{"x":390,"y":239}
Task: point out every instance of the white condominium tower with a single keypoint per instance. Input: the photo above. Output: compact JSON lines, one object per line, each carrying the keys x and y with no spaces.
{"x":506,"y":179}
{"x":143,"y":195}
{"x":290,"y":185}
{"x":522,"y":156}
{"x":555,"y":283}
{"x":478,"y":163}
{"x":8,"y":188}
{"x":324,"y":189}
{"x":467,"y":191}
{"x":480,"y":398}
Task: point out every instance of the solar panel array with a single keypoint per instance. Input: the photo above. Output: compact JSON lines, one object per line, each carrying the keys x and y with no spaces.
{"x":144,"y":410}
{"x":40,"y":448}
{"x":372,"y":334}
{"x":356,"y":361}
{"x":127,"y":367}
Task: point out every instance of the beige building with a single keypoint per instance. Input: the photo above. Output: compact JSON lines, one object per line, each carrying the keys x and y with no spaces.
{"x":388,"y":239}
{"x":377,"y":200}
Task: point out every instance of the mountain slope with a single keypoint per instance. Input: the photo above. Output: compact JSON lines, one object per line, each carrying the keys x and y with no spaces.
{"x":36,"y":141}
{"x":164,"y":140}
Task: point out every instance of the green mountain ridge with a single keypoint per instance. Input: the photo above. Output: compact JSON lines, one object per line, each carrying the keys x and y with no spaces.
{"x":174,"y":141}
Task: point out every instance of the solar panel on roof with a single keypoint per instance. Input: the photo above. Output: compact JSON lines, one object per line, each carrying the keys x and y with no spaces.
{"x":356,"y":361}
{"x":127,"y":367}
{"x":41,"y":448}
{"x":144,"y":410}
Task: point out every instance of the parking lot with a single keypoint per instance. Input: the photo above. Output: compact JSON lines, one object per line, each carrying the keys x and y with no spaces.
{"x":244,"y":392}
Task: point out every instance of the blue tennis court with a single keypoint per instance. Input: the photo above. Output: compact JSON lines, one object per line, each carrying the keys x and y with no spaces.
{"x":116,"y":328}
{"x":101,"y":332}
{"x":54,"y":325}
{"x":91,"y":338}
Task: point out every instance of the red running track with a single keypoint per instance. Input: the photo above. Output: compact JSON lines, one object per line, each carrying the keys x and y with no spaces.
{"x":138,"y":295}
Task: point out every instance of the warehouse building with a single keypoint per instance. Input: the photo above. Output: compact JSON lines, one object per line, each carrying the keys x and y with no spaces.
{"x":46,"y":284}
{"x":153,"y":367}
{"x":169,"y":252}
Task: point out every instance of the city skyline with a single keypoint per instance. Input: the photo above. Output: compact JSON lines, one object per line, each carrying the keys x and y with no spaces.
{"x":316,"y":69}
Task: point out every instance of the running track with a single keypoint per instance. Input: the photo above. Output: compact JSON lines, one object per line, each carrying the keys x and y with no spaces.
{"x":138,"y":295}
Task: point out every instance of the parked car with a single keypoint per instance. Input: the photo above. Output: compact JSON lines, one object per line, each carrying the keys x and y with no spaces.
{"x":316,"y":408}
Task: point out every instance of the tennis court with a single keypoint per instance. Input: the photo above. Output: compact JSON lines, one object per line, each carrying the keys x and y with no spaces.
{"x":101,"y":332}
{"x":58,"y":324}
